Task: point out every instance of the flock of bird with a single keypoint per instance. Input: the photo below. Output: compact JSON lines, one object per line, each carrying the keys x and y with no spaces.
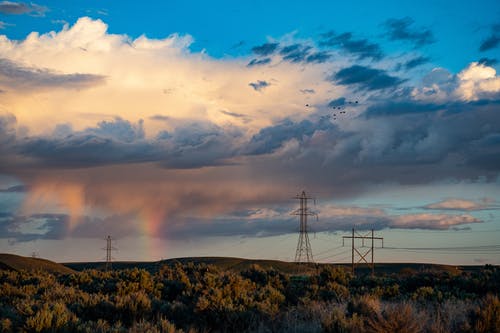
{"x":338,"y":109}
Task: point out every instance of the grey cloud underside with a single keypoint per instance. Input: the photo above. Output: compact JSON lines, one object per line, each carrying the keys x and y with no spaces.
{"x":18,"y":77}
{"x":401,"y":29}
{"x":361,"y":48}
{"x":366,"y":78}
{"x":409,"y":146}
{"x":398,"y":139}
{"x":117,"y":142}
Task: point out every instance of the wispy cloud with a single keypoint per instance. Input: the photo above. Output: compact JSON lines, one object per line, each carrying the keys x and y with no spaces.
{"x":18,"y":8}
{"x":493,"y":41}
{"x":362,"y":48}
{"x":259,"y":85}
{"x":401,"y":29}
{"x":366,"y":78}
{"x":415,"y":62}
{"x":13,"y":75}
{"x":258,"y":62}
{"x":460,"y":204}
{"x":265,"y":49}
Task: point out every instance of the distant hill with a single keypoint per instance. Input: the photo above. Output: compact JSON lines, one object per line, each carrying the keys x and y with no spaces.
{"x":240,"y":264}
{"x":15,"y":262}
{"x":224,"y":263}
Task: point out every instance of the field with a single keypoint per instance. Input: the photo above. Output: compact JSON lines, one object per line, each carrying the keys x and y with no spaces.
{"x":237,"y":295}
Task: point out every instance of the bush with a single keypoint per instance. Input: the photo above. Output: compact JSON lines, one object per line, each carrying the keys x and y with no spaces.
{"x":486,"y":317}
{"x":400,"y":318}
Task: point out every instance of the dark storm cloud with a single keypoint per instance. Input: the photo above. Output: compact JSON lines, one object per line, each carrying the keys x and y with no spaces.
{"x":271,"y":138}
{"x":259,"y":85}
{"x":15,"y":76}
{"x":18,"y":8}
{"x":190,"y":145}
{"x":493,"y":41}
{"x":401,"y":29}
{"x":366,"y":78}
{"x":265,"y":49}
{"x":396,"y":108}
{"x":362,"y":48}
{"x":395,"y":142}
{"x":197,"y":145}
{"x":117,"y":141}
{"x":86,"y":150}
{"x":258,"y":62}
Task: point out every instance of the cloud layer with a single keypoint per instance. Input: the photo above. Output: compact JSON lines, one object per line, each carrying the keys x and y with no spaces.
{"x":145,"y":136}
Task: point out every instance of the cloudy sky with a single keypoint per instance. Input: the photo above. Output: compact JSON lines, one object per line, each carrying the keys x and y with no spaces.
{"x":186,"y":128}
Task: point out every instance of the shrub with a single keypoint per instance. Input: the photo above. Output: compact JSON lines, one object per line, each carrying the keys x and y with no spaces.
{"x":399,"y":318}
{"x":486,"y":318}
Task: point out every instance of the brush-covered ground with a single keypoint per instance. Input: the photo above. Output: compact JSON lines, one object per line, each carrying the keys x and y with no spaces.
{"x":196,"y":296}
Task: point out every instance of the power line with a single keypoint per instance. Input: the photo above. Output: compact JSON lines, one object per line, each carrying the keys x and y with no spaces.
{"x":477,"y":247}
{"x":326,"y":251}
{"x":467,"y":231}
{"x":333,"y":255}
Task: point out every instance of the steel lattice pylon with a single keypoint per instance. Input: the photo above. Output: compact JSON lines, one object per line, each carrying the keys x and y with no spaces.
{"x":304,"y":250}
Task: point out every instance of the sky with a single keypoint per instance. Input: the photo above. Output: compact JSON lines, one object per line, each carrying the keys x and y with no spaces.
{"x":187,"y":128}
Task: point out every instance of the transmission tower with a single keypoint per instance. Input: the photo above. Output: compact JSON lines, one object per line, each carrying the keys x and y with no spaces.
{"x":109,"y":248}
{"x":362,"y":257}
{"x":304,"y":250}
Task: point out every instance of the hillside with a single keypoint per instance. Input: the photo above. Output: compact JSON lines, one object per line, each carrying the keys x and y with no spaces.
{"x":15,"y":262}
{"x":224,"y":263}
{"x":240,"y":264}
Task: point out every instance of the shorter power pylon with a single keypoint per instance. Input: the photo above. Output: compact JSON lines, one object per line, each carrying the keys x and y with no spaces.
{"x":109,"y":248}
{"x":362,"y":256}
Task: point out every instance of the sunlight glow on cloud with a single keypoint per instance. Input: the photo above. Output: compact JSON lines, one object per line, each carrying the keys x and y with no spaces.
{"x":145,"y":135}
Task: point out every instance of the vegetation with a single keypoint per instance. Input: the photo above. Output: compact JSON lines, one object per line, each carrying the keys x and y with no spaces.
{"x":192,"y":297}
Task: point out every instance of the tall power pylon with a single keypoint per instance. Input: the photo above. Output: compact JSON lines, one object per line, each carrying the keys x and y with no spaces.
{"x":304,"y":250}
{"x":109,"y":249}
